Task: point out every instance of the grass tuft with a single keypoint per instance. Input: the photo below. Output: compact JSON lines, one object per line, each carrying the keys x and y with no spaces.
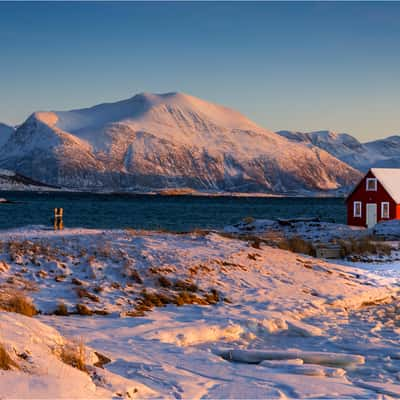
{"x":213,"y":297}
{"x":82,"y":292}
{"x":82,"y":309}
{"x":363,"y":246}
{"x":18,"y":303}
{"x":61,"y":310}
{"x":6,"y":362}
{"x":74,"y":355}
{"x":297,"y":245}
{"x":186,"y":286}
{"x":164,"y":281}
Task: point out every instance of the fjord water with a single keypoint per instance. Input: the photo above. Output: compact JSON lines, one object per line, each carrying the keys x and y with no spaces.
{"x":175,"y":213}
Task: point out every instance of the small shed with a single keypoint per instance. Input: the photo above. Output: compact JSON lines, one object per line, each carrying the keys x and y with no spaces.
{"x":375,"y":198}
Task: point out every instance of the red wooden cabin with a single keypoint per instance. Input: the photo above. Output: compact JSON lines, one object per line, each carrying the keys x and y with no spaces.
{"x":376,"y":198}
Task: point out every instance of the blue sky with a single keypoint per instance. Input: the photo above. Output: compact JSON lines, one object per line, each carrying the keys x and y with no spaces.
{"x":301,"y":65}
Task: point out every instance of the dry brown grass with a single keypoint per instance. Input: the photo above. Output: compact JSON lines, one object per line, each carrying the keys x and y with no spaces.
{"x":76,"y":281}
{"x":115,"y":285}
{"x":135,"y":276}
{"x":6,"y":362}
{"x":155,"y":299}
{"x":363,"y":246}
{"x":131,"y":273}
{"x":137,"y":312}
{"x":31,"y":249}
{"x":297,"y":245}
{"x":186,"y":297}
{"x":256,"y":244}
{"x":61,"y":310}
{"x":252,"y":256}
{"x":17,"y":302}
{"x":82,"y":292}
{"x":253,"y":240}
{"x":180,"y":297}
{"x":186,"y":286}
{"x":74,"y":354}
{"x":101,"y":312}
{"x":83,"y":309}
{"x":213,"y":297}
{"x":164,"y":281}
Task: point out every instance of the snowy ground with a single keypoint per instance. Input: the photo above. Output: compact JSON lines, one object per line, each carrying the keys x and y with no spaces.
{"x":283,"y":325}
{"x":315,"y":231}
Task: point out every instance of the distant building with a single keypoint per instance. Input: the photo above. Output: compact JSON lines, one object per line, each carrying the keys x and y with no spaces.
{"x":376,"y":198}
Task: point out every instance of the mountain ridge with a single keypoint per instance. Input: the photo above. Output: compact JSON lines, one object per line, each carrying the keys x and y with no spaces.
{"x":361,"y":156}
{"x":171,"y":140}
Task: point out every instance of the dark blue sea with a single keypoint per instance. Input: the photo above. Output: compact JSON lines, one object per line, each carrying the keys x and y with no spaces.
{"x":175,"y":213}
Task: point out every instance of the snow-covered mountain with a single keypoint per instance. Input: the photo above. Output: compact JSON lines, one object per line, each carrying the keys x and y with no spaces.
{"x":385,"y":152}
{"x":337,"y":144}
{"x":362,"y":156}
{"x":9,"y":180}
{"x":166,"y":141}
{"x":5,"y":133}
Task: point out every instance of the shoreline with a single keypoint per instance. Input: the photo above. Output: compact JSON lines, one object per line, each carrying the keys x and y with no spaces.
{"x":174,"y":193}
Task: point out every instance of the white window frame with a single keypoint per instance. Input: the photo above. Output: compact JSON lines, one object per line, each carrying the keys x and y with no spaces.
{"x":383,"y":204}
{"x":355,"y":214}
{"x":375,"y":184}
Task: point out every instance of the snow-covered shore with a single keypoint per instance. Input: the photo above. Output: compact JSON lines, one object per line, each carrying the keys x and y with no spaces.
{"x":259,"y":322}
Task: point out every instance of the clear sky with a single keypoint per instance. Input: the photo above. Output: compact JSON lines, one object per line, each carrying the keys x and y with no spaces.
{"x":299,"y":66}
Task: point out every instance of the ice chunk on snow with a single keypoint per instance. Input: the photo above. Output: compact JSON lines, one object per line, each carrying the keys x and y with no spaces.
{"x":197,"y":333}
{"x":303,"y":329}
{"x":301,"y":369}
{"x":309,"y":357}
{"x":266,"y":325}
{"x":281,"y":363}
{"x":277,"y":325}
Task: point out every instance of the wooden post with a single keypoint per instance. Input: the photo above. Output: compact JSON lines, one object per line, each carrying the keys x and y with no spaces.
{"x":58,"y":219}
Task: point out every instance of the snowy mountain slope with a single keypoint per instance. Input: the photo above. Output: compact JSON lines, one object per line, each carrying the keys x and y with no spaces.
{"x":337,"y":144}
{"x":10,"y":180}
{"x":362,"y":156}
{"x":166,"y":141}
{"x":5,"y":133}
{"x":385,"y":152}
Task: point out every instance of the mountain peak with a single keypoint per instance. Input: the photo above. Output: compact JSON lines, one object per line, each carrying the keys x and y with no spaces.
{"x":171,"y":98}
{"x":162,"y":108}
{"x":47,"y":117}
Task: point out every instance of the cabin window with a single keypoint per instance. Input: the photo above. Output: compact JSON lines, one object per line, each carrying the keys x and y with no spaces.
{"x":371,"y":184}
{"x":357,"y":209}
{"x":385,"y":210}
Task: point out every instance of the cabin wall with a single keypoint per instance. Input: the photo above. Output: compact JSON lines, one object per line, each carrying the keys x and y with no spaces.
{"x":377,"y":197}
